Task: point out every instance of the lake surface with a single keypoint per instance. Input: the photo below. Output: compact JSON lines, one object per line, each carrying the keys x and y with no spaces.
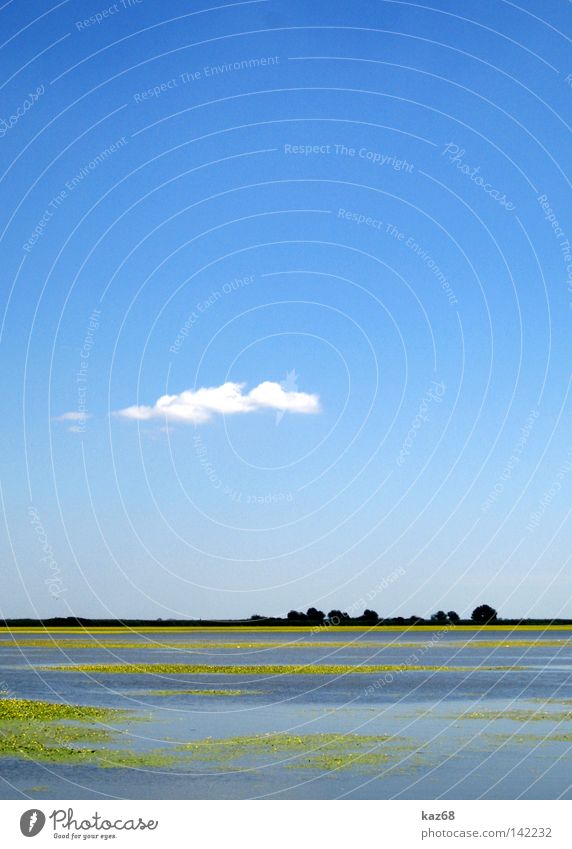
{"x":490,"y":715}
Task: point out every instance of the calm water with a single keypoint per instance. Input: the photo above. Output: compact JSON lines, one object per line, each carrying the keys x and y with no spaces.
{"x":436,"y":753}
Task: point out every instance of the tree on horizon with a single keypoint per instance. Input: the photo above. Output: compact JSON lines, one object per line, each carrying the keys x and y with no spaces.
{"x":484,"y":613}
{"x":440,"y":616}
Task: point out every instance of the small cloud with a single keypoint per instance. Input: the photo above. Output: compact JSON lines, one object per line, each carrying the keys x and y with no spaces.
{"x":74,"y":416}
{"x":200,"y":405}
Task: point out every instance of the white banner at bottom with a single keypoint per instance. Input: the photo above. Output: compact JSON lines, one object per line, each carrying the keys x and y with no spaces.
{"x":288,"y":823}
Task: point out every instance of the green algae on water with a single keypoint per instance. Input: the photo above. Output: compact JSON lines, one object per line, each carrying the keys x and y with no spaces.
{"x":528,"y":739}
{"x":202,"y":692}
{"x":52,"y":732}
{"x":30,"y":709}
{"x":46,"y":732}
{"x":520,"y":715}
{"x":276,"y":669}
{"x":323,"y":752}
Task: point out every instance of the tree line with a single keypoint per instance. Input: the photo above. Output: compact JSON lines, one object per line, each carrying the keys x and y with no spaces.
{"x":483,"y":614}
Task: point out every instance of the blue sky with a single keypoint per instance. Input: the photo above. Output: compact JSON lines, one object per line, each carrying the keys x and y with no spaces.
{"x":362,"y":208}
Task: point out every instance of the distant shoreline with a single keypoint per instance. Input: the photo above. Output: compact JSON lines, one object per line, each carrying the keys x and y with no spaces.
{"x":271,"y":624}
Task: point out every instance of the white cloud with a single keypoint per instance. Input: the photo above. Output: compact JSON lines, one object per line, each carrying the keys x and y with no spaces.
{"x":73,"y":417}
{"x":199,"y":405}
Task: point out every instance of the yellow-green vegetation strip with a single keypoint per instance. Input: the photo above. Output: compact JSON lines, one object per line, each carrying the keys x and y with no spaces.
{"x":30,"y":709}
{"x":501,"y":644}
{"x":337,"y":644}
{"x":202,"y":692}
{"x":278,"y":629}
{"x":41,"y":748}
{"x":278,"y":669}
{"x":322,"y":752}
{"x":530,"y":738}
{"x":214,"y":644}
{"x":521,"y":715}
